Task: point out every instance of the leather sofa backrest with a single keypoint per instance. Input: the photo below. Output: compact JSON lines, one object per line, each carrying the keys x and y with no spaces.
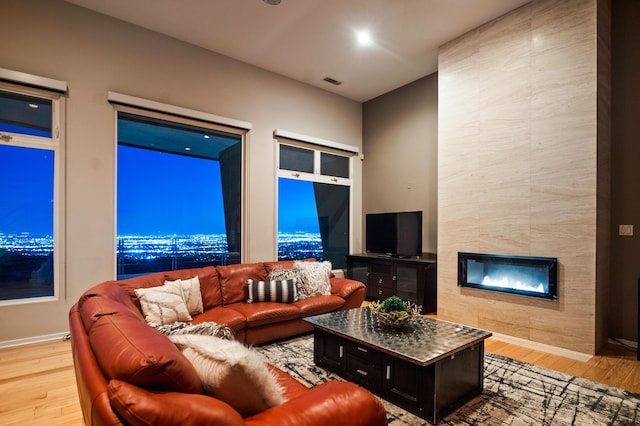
{"x":233,"y":280}
{"x":281,"y":264}
{"x":113,"y":291}
{"x":95,"y":307}
{"x":209,"y":283}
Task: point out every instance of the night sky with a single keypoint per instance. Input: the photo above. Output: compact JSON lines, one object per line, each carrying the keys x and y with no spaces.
{"x":177,"y":195}
{"x":297,"y":206}
{"x":26,"y":204}
{"x":182,"y":195}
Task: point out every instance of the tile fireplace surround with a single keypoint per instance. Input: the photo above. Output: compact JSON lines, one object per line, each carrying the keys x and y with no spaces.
{"x":522,"y":167}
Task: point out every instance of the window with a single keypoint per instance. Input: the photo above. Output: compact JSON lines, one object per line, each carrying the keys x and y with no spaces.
{"x":179,"y":193}
{"x":314,"y":202}
{"x":30,"y":164}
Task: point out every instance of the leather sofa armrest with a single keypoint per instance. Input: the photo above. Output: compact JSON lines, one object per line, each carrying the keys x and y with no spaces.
{"x":344,"y":287}
{"x":333,"y":403}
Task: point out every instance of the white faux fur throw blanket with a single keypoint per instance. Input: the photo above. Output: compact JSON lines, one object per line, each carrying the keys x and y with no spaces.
{"x":209,"y":328}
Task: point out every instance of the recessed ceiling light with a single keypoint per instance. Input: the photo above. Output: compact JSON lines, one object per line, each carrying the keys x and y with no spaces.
{"x":364,"y":38}
{"x":187,"y":149}
{"x":207,"y":136}
{"x":34,"y":106}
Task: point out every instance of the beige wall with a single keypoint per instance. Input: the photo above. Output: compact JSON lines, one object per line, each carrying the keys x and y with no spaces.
{"x":95,"y":54}
{"x":625,"y":173}
{"x":400,"y":168}
{"x":518,"y":168}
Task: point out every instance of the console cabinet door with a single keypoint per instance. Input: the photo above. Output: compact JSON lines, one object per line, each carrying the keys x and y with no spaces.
{"x":380,"y":283}
{"x":357,"y":269}
{"x":329,"y":351}
{"x":407,"y":384}
{"x":409,"y":282}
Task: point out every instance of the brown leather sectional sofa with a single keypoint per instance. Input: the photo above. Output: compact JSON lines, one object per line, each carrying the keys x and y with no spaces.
{"x":129,"y":373}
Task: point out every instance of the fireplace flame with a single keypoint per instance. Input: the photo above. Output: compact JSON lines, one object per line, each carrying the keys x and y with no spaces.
{"x":505,"y":282}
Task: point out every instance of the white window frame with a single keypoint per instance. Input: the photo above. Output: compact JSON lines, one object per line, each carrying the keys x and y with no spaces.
{"x":56,"y":144}
{"x":316,"y":176}
{"x":318,"y":146}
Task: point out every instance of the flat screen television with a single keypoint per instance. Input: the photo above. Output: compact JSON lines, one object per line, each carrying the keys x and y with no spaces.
{"x":397,"y":234}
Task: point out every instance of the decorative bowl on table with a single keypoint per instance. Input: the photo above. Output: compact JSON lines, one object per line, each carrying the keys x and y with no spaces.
{"x":394,"y":312}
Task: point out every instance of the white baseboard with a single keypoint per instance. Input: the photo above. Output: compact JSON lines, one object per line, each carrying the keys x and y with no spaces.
{"x":35,"y":339}
{"x":579,"y":356}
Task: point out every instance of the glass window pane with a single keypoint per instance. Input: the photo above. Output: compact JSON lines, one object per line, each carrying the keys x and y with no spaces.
{"x":334,"y":165}
{"x":332,"y":204}
{"x":313,"y":221}
{"x":296,"y":159}
{"x":298,"y":230}
{"x":26,"y":222}
{"x":24,"y":114}
{"x":179,"y":196}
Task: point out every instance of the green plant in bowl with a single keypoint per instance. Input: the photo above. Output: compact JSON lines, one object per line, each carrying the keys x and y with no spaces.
{"x":395,"y":312}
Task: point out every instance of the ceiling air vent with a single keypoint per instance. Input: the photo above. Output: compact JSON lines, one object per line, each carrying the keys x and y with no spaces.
{"x":332,"y":81}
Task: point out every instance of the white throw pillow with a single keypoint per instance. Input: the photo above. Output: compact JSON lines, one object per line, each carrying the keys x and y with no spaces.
{"x":191,"y":293}
{"x":163,"y":304}
{"x":231,"y":372}
{"x":314,"y":278}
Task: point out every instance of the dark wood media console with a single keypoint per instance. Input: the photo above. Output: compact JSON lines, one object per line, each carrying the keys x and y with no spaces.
{"x":413,"y":279}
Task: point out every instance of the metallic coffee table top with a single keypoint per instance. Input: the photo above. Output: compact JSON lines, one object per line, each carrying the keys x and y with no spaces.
{"x":423,"y":342}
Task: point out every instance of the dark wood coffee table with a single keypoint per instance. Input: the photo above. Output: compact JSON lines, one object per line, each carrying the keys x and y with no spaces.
{"x":430,"y":367}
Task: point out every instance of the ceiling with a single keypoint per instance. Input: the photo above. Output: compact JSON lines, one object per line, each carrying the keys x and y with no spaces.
{"x":308,"y":40}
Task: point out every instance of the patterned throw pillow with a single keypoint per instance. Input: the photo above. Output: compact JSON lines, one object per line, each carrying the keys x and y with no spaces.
{"x":283,"y":274}
{"x":191,"y":294}
{"x":286,"y":274}
{"x":314,"y":278}
{"x":283,"y":291}
{"x":163,"y":304}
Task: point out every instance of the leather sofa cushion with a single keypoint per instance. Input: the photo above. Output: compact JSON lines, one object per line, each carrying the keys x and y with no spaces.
{"x":233,"y":280}
{"x":258,"y":314}
{"x":222,"y":315}
{"x":316,"y":305}
{"x":128,"y":349}
{"x":144,"y":407}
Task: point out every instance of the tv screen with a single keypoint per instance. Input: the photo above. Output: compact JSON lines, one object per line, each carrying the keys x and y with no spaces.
{"x":397,"y":234}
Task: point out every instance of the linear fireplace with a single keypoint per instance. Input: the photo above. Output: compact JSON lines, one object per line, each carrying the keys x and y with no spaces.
{"x":527,"y":276}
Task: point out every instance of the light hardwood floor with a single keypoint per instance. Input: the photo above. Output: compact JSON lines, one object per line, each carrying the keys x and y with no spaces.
{"x":37,"y":382}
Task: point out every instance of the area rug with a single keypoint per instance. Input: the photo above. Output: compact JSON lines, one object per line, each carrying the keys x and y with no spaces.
{"x":515,"y":393}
